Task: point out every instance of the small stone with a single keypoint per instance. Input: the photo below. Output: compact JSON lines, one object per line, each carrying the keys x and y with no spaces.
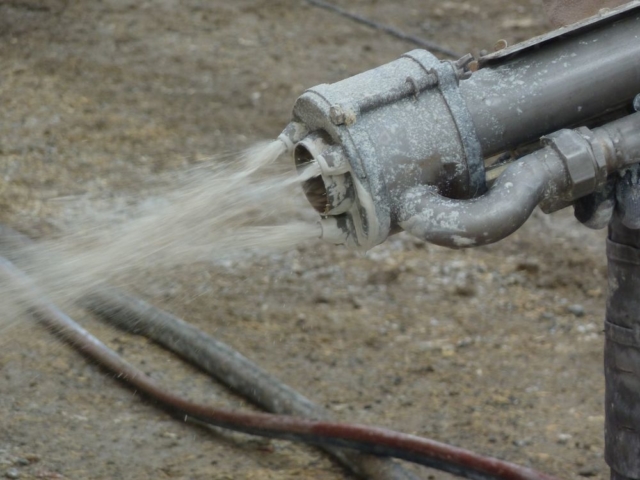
{"x":447,"y":350}
{"x":522,"y":443}
{"x":595,"y":292}
{"x":588,"y":472}
{"x":564,"y":438}
{"x":357,"y":302}
{"x":465,"y":342}
{"x":465,"y":289}
{"x":529,"y":266}
{"x":384,"y":277}
{"x":576,"y":309}
{"x":32,"y":457}
{"x":12,"y":473}
{"x":321,"y":298}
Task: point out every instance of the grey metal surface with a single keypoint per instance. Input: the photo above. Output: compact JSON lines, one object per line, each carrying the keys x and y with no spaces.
{"x":620,"y":141}
{"x":570,"y":166}
{"x":617,"y":476}
{"x":421,"y":125}
{"x":568,"y":81}
{"x":622,"y":352}
{"x":473,"y":160}
{"x":628,"y":198}
{"x":586,"y":165}
{"x":486,"y":219}
{"x":595,"y":210}
{"x":398,"y":125}
{"x":578,"y":28}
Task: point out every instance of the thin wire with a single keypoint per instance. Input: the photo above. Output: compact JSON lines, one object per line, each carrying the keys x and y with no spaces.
{"x":394,"y":32}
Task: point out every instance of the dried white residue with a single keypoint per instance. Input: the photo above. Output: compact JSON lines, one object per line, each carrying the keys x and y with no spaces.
{"x":462,"y":241}
{"x":427,"y":223}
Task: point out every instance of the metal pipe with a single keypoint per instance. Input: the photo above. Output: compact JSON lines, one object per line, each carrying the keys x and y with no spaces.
{"x":486,"y":219}
{"x":621,"y":141}
{"x":573,"y":164}
{"x":231,"y":368}
{"x":373,"y":440}
{"x":561,"y":83}
{"x":418,"y":121}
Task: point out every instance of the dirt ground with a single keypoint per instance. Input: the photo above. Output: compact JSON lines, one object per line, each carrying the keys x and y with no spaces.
{"x":497,"y":349}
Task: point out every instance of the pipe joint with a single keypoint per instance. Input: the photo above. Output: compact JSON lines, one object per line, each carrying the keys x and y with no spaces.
{"x":491,"y":217}
{"x":584,"y":165}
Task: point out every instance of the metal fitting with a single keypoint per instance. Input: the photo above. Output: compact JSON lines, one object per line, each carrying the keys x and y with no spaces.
{"x":568,"y":167}
{"x":595,"y":210}
{"x":463,"y":66}
{"x":329,"y":188}
{"x":374,"y":135}
{"x":292,"y":134}
{"x":585,"y":170}
{"x":399,"y":135}
{"x":599,"y":154}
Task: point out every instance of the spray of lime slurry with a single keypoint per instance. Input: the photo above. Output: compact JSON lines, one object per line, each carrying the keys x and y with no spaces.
{"x":221,"y":211}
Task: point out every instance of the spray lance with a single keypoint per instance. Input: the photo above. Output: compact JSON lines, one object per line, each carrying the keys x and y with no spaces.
{"x":403,"y":146}
{"x":459,"y":153}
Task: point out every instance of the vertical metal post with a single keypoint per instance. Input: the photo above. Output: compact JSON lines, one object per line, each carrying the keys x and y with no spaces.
{"x":622,"y":352}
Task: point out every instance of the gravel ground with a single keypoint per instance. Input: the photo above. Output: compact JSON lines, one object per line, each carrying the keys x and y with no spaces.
{"x":497,"y":349}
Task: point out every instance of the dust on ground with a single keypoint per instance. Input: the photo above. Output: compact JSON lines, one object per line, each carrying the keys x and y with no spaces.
{"x":497,"y":349}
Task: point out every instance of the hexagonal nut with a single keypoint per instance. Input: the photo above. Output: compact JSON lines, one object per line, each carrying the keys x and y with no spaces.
{"x":599,"y":155}
{"x":575,"y":151}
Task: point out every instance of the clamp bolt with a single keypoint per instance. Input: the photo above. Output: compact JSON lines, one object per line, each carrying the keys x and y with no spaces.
{"x":337,"y":115}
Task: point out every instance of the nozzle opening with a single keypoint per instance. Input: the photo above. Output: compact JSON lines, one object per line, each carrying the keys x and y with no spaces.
{"x":314,"y":188}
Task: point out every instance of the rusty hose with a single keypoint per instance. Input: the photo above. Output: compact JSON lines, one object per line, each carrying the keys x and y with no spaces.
{"x":372,"y":440}
{"x":230,"y":368}
{"x":574,"y":163}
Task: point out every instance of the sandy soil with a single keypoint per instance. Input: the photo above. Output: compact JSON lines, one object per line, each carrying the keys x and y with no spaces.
{"x":496,"y":349}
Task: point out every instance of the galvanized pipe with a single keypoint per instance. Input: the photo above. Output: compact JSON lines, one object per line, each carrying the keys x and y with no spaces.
{"x":418,"y":123}
{"x":562,"y":83}
{"x":487,"y":219}
{"x":557,"y":174}
{"x":621,"y":141}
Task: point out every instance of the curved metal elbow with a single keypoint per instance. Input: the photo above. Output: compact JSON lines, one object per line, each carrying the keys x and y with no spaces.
{"x":482,"y":220}
{"x":572,"y":164}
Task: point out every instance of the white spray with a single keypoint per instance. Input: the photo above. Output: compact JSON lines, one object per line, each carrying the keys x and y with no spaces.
{"x":222,"y":211}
